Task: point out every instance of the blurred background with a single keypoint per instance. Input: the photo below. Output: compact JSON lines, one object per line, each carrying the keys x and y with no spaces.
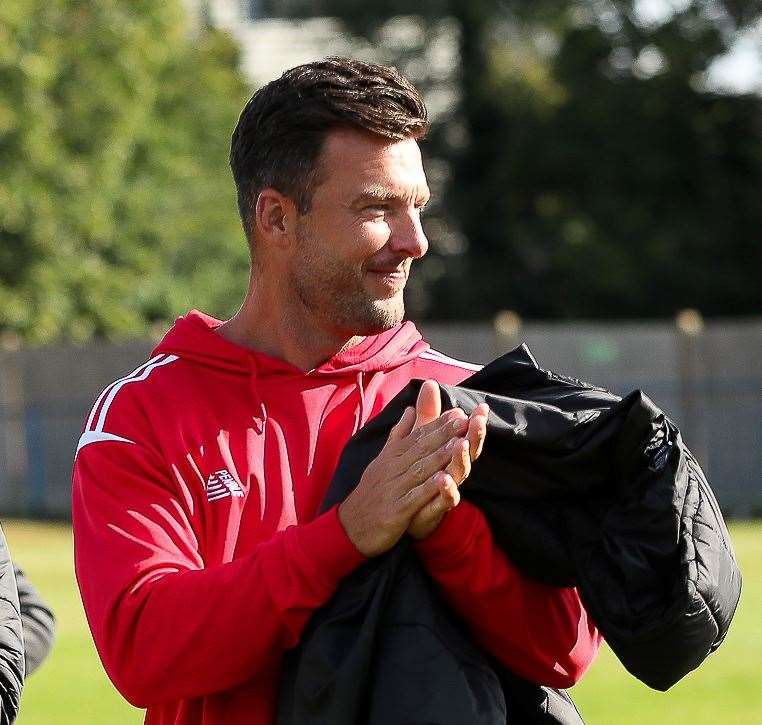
{"x":596,"y":168}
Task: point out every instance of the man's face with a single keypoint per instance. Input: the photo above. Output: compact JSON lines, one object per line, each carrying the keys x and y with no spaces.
{"x":356,"y":243}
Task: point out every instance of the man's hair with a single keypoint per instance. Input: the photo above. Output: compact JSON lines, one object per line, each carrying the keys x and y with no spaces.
{"x":281,"y":130}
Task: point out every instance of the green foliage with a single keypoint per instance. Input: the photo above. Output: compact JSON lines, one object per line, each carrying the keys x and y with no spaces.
{"x":620,"y":187}
{"x":589,"y":169}
{"x":579,"y":166}
{"x":116,"y":205}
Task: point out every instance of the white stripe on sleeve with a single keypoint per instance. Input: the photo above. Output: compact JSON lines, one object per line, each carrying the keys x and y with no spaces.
{"x":436,"y":356}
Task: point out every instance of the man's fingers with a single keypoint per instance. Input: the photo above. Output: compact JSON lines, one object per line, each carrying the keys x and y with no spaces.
{"x":416,"y":498}
{"x":449,"y":494}
{"x":424,"y":468}
{"x":477,"y":430}
{"x":434,"y":435}
{"x":447,"y":497}
{"x":403,"y":427}
{"x":437,"y":424}
{"x":428,"y":407}
{"x":460,"y":464}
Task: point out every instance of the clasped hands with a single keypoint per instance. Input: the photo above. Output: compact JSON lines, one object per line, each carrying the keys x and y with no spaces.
{"x":414,"y":480}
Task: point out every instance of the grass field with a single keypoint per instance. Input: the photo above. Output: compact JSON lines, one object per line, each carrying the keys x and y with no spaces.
{"x":71,"y":687}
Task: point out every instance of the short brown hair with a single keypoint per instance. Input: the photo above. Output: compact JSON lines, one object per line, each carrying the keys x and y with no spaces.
{"x":281,"y":130}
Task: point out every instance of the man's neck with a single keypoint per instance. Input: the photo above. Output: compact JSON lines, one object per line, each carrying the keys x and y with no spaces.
{"x":273,"y":328}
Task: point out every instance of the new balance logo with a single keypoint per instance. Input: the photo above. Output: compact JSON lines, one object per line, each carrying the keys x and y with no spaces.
{"x":221,"y":484}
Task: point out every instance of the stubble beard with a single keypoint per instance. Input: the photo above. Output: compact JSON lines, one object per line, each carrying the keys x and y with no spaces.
{"x":334,"y":293}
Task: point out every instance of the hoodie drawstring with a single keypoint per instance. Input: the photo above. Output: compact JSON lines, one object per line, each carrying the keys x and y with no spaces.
{"x":360,"y":413}
{"x":261,"y":419}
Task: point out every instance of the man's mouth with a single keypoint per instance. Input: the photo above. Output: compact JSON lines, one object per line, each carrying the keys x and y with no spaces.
{"x":393,"y":273}
{"x":393,"y":278}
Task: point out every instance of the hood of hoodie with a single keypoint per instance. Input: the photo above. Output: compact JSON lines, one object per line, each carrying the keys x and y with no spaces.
{"x":193,"y":337}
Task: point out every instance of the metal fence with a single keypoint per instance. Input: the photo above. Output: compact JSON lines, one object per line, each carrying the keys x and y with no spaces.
{"x":708,"y":380}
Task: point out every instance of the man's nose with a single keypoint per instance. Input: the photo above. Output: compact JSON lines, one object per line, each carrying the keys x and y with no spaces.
{"x":408,"y":237}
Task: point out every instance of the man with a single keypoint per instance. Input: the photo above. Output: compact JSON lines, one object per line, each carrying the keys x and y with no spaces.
{"x":197,"y":480}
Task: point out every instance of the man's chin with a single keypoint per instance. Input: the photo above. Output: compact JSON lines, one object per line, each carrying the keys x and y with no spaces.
{"x":383,"y":315}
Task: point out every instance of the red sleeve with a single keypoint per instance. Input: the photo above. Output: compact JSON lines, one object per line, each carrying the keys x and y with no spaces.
{"x":542,"y":633}
{"x":158,"y":617}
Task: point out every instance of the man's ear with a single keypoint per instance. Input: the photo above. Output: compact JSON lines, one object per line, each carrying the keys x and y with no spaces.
{"x":274,"y":217}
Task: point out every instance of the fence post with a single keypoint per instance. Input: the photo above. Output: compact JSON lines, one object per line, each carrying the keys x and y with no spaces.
{"x":690,"y":365}
{"x":35,"y":447}
{"x":507,"y":328}
{"x":13,"y":470}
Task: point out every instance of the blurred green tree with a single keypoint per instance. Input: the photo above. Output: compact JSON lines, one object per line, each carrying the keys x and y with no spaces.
{"x":116,"y":205}
{"x":590,"y":170}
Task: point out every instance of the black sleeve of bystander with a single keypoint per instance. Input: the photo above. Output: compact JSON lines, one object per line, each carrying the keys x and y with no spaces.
{"x":38,"y":622}
{"x":11,"y":640}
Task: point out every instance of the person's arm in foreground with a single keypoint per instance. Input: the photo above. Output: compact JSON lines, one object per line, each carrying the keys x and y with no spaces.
{"x":11,"y":642}
{"x":159,"y":617}
{"x":37,"y":621}
{"x":540,"y":632}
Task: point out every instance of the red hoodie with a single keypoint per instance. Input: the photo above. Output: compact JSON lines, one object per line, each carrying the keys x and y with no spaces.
{"x":198,"y":551}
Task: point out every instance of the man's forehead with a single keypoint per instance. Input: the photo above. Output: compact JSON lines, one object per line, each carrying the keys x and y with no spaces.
{"x":368,"y":161}
{"x":392,"y":192}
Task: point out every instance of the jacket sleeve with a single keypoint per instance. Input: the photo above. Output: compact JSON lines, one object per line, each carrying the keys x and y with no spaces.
{"x":540,"y":632}
{"x":37,"y":621}
{"x":11,"y":642}
{"x":167,"y":627}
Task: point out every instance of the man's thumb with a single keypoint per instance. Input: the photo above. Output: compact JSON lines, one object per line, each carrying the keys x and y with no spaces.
{"x":429,"y":404}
